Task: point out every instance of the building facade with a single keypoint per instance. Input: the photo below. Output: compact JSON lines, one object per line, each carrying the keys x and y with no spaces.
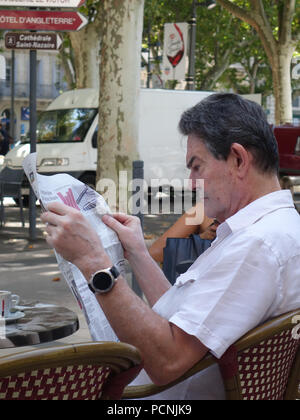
{"x":50,"y":83}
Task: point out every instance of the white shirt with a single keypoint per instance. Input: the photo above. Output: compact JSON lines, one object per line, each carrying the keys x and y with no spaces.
{"x":250,"y":273}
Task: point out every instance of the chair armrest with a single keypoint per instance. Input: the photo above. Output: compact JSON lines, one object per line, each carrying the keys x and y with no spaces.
{"x":142,"y":391}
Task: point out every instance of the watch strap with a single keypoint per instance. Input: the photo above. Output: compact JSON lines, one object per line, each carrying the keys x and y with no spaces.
{"x":91,"y":288}
{"x":113,"y":271}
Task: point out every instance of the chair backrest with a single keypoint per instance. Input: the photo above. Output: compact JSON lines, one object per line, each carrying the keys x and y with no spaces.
{"x":264,"y":364}
{"x":87,"y":371}
{"x":11,"y":181}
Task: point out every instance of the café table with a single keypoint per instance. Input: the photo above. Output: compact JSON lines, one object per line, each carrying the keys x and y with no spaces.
{"x":36,"y":323}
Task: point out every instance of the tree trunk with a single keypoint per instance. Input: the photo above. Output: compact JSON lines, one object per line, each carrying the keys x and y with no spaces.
{"x":65,"y":60}
{"x":252,"y":74}
{"x":282,"y":85}
{"x":120,"y":58}
{"x":85,"y":44}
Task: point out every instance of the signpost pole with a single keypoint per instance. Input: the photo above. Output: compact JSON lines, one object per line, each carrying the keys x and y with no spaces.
{"x":12,"y":98}
{"x":32,"y":122}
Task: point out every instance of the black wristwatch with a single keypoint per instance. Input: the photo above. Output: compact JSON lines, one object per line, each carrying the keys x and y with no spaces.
{"x":104,"y":280}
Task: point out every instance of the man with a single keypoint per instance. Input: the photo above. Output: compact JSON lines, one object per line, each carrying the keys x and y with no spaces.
{"x":4,"y":141}
{"x":249,"y":274}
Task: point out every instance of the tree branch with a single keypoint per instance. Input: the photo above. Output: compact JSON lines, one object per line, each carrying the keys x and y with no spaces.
{"x":245,"y":15}
{"x":256,"y":17}
{"x":256,"y":4}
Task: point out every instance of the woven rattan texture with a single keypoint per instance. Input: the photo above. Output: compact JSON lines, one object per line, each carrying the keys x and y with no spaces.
{"x":61,"y":383}
{"x":264,"y":368}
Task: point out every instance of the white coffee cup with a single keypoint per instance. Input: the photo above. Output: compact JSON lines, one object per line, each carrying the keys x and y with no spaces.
{"x":8,"y":302}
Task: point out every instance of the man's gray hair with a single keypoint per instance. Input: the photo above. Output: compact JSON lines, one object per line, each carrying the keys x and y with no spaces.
{"x":225,"y":118}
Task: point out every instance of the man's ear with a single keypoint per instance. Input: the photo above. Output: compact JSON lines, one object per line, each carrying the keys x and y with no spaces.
{"x":241,"y":158}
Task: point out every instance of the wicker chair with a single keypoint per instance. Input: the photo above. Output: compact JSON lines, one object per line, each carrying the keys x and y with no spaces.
{"x":87,"y":371}
{"x":263,"y":365}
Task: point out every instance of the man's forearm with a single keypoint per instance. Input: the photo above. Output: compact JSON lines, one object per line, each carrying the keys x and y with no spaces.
{"x":149,"y":276}
{"x":167,"y":351}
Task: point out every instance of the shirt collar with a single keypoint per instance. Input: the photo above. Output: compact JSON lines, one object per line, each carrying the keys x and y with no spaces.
{"x":255,"y":211}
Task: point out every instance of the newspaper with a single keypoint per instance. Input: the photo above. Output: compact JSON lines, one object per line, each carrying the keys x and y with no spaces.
{"x":72,"y":192}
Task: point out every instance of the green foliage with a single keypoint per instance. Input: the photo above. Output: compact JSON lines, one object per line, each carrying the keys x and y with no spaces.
{"x":90,"y":9}
{"x":221,"y":41}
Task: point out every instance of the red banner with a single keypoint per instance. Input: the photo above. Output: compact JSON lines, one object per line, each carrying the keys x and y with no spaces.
{"x":41,"y":20}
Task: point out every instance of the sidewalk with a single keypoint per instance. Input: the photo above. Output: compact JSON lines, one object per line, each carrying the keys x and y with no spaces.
{"x":15,"y":238}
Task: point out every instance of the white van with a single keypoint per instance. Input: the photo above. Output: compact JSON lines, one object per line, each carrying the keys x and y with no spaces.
{"x":67,"y":135}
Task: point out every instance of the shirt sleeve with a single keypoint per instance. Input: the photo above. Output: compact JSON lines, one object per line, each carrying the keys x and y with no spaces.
{"x":231,"y":297}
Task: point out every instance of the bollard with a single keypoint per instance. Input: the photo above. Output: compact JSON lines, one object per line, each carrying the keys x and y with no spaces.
{"x":137,"y":176}
{"x":137,"y":182}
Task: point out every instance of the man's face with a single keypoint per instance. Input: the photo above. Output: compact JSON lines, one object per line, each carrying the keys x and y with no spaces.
{"x":217,"y":176}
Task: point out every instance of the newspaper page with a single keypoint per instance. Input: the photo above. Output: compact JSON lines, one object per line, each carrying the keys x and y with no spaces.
{"x":72,"y":192}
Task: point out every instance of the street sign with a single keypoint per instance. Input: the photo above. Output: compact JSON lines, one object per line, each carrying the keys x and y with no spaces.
{"x":32,"y":41}
{"x":42,"y":3}
{"x":39,"y":20}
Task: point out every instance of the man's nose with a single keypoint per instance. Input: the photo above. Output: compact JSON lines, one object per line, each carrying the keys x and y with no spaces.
{"x":192,"y":183}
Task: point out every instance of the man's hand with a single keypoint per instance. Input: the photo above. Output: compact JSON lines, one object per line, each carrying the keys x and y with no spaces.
{"x":128,"y":229}
{"x":210,"y":231}
{"x":74,"y":239}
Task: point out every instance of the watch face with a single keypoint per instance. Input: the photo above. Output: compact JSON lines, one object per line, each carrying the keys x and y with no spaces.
{"x":102,"y":281}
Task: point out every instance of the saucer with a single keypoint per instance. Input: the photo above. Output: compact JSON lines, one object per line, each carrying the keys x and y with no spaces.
{"x":14,"y":316}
